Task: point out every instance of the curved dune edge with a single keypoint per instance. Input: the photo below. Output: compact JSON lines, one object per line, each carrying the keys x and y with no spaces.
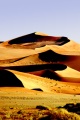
{"x":72,"y":46}
{"x":69,"y":75}
{"x":69,"y":72}
{"x":14,"y":97}
{"x":67,"y":49}
{"x":31,"y":81}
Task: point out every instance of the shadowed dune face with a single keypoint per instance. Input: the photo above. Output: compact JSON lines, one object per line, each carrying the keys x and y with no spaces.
{"x":62,"y":41}
{"x":47,"y":74}
{"x":50,"y":74}
{"x":55,"y":75}
{"x":68,"y":60}
{"x":8,"y":79}
{"x":26,"y":39}
{"x":31,"y":68}
{"x":51,"y":56}
{"x":1,"y":41}
{"x":34,"y":40}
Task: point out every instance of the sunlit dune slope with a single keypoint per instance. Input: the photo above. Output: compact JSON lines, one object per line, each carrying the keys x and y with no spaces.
{"x":72,"y":46}
{"x":66,"y":75}
{"x":69,"y":75}
{"x":69,"y":72}
{"x":9,"y":53}
{"x":47,"y":85}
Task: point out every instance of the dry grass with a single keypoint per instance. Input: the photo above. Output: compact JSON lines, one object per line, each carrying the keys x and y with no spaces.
{"x":36,"y":114}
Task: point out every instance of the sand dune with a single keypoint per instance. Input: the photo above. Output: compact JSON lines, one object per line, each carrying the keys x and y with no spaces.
{"x":31,"y":81}
{"x":69,"y":75}
{"x":44,"y":58}
{"x":35,"y":40}
{"x":72,"y":46}
{"x":61,"y":75}
{"x":39,"y":69}
{"x":9,"y":53}
{"x":62,"y":72}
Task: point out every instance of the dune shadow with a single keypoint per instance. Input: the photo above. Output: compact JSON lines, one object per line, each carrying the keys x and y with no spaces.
{"x":31,"y":68}
{"x":55,"y":76}
{"x":1,"y":41}
{"x":8,"y":79}
{"x":51,"y":56}
{"x":62,"y":41}
{"x":37,"y":89}
{"x":31,"y":38}
{"x":51,"y":74}
{"x":26,"y":39}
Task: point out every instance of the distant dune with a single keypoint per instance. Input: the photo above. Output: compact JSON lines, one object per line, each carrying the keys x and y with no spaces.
{"x":35,"y":40}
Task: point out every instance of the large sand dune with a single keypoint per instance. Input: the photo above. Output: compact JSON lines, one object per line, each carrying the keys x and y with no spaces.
{"x":35,"y":40}
{"x":41,"y":69}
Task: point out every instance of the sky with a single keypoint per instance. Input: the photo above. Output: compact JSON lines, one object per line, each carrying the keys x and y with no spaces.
{"x":53,"y":17}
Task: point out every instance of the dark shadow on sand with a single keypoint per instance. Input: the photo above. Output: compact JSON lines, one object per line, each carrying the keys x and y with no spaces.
{"x":8,"y":79}
{"x":51,"y":56}
{"x":31,"y":68}
{"x":31,"y":38}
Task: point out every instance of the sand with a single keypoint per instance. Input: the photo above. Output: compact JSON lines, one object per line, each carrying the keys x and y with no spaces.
{"x":53,"y":85}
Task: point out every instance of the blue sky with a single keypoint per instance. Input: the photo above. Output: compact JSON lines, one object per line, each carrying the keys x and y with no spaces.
{"x":54,"y":17}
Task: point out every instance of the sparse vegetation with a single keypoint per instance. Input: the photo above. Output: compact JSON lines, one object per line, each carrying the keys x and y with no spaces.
{"x":38,"y":113}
